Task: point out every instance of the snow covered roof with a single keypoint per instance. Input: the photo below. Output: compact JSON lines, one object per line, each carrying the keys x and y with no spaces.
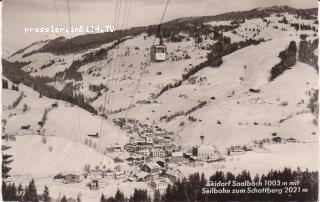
{"x":142,"y":174}
{"x":151,"y":165}
{"x":206,"y":147}
{"x":174,"y":154}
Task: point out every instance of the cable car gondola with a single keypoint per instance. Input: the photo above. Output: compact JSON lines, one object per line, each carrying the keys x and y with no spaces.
{"x":158,"y":53}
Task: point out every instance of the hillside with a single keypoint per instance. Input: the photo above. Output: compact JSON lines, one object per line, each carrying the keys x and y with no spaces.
{"x":115,"y":72}
{"x":246,"y":79}
{"x":58,"y":140}
{"x":35,"y":159}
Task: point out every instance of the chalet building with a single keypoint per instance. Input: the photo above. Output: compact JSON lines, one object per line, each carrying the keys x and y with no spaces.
{"x":143,"y":176}
{"x":9,"y":137}
{"x":158,"y":146}
{"x":120,"y":175}
{"x":140,"y":141}
{"x":71,"y":178}
{"x":135,"y":159}
{"x":160,"y":184}
{"x":149,"y":140}
{"x":114,"y":148}
{"x":143,"y":147}
{"x":174,"y":175}
{"x":248,"y":147}
{"x":108,"y":174}
{"x":236,"y":150}
{"x":277,"y":140}
{"x":96,"y":173}
{"x":144,"y":152}
{"x":26,"y":127}
{"x":177,"y":157}
{"x":98,"y":183}
{"x":130,"y":147}
{"x":291,"y":140}
{"x":158,"y":153}
{"x":161,"y":162}
{"x":151,"y":167}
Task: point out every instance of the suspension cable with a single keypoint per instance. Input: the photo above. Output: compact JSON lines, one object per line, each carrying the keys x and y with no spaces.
{"x":77,"y":101}
{"x":148,"y":61}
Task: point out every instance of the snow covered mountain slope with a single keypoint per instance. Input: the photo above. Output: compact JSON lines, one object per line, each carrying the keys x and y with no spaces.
{"x":61,"y":119}
{"x":232,"y":103}
{"x":34,"y":158}
{"x":62,"y":143}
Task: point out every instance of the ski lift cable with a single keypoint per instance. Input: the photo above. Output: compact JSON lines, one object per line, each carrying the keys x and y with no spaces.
{"x":148,"y":61}
{"x":116,"y":21}
{"x":56,"y":10}
{"x":108,"y":74}
{"x":78,"y":115}
{"x":129,"y":10}
{"x":141,"y":73}
{"x":117,"y":18}
{"x":116,"y":54}
{"x":108,"y":70}
{"x":118,"y":59}
{"x":121,"y":53}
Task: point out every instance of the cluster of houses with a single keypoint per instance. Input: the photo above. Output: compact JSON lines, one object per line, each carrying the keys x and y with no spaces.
{"x":156,"y":174}
{"x":157,"y":162}
{"x":242,"y":149}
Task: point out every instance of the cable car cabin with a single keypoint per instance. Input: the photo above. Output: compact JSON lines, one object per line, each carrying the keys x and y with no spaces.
{"x":158,"y":53}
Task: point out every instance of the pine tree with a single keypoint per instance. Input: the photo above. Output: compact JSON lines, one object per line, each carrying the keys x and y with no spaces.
{"x":139,"y":195}
{"x":4,"y":84}
{"x":20,"y":192}
{"x":13,"y":192}
{"x":9,"y":192}
{"x":31,"y":192}
{"x":79,"y":198}
{"x":156,"y":196}
{"x":45,"y":194}
{"x":64,"y":199}
{"x":5,"y":161}
{"x":4,"y":191}
{"x":119,"y":196}
{"x":102,"y":199}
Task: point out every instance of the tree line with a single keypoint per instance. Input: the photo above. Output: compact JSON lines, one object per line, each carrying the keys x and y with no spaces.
{"x":190,"y":189}
{"x":288,"y":59}
{"x":13,"y":72}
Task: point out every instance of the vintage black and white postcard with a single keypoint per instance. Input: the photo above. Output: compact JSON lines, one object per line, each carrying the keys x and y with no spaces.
{"x":160,"y":100}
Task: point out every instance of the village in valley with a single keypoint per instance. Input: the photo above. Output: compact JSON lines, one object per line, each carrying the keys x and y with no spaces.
{"x":154,"y":157}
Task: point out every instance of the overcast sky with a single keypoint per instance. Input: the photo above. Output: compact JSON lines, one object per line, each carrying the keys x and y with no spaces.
{"x":18,"y":14}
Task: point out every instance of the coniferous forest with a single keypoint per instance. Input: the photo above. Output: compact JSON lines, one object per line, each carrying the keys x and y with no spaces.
{"x":190,"y":189}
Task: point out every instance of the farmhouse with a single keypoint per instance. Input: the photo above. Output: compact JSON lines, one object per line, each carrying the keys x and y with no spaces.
{"x":149,"y":140}
{"x":174,"y":175}
{"x":143,"y":176}
{"x":114,"y":148}
{"x":160,"y":184}
{"x":135,"y":159}
{"x":144,"y":152}
{"x":109,"y":174}
{"x":71,"y":178}
{"x":291,"y":140}
{"x":150,"y":167}
{"x":277,"y":140}
{"x":98,"y":183}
